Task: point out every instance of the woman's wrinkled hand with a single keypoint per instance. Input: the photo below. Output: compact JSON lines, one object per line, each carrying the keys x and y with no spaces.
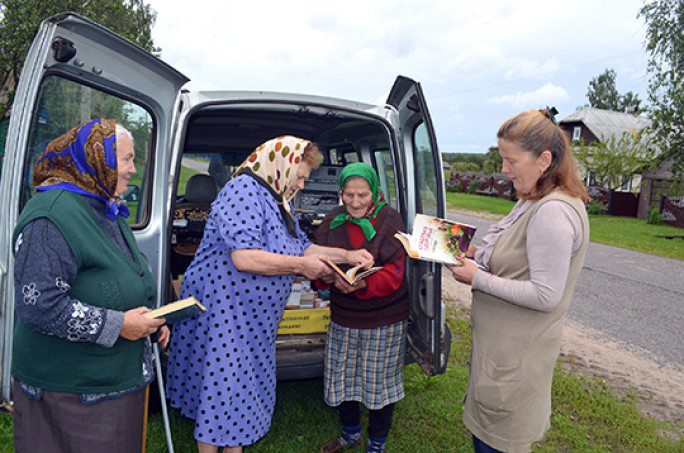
{"x":361,"y":256}
{"x":136,"y":326}
{"x":328,"y":279}
{"x":164,"y":337}
{"x":345,"y":288}
{"x":465,"y":273}
{"x":313,"y":268}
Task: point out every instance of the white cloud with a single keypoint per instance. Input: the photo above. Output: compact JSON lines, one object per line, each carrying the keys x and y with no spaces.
{"x":524,"y":67}
{"x":548,"y":94}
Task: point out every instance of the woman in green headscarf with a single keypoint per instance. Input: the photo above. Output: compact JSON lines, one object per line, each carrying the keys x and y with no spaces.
{"x":366,"y":337}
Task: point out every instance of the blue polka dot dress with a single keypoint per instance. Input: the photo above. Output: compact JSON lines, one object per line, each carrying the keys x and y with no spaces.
{"x":221,"y":369}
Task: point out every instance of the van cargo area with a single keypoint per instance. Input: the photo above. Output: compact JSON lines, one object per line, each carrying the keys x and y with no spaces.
{"x":217,"y":139}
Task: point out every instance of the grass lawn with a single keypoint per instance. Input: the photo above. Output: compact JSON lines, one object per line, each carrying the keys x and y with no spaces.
{"x":478,"y":203}
{"x":624,"y":232}
{"x":587,"y":416}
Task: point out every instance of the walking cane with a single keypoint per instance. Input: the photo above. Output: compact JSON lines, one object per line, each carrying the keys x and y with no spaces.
{"x":162,"y":395}
{"x":145,"y":415}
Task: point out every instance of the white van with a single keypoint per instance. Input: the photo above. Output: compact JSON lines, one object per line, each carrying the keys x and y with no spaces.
{"x":77,"y":70}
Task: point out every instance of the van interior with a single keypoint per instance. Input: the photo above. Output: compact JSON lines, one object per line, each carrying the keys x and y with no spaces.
{"x":219,"y":138}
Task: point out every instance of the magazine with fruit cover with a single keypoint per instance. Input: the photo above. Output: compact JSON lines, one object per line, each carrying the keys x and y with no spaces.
{"x":437,"y":240}
{"x":354,"y":274}
{"x":178,"y":310}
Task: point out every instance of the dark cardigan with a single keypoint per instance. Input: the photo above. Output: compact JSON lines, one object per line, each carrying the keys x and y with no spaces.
{"x":346,"y":309}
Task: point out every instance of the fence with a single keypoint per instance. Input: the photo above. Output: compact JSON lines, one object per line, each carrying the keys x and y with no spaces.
{"x":496,"y":185}
{"x":672,"y":209}
{"x":623,"y":204}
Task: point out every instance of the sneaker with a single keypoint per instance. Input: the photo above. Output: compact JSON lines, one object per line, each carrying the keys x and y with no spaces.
{"x":341,"y":444}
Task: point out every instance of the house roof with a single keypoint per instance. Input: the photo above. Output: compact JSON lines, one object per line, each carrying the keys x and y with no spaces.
{"x":607,"y":123}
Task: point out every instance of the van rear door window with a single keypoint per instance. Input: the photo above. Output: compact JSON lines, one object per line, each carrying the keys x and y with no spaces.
{"x":63,"y":104}
{"x":385,"y":166}
{"x":426,"y":180}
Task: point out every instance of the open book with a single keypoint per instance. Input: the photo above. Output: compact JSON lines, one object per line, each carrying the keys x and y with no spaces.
{"x":438,"y":240}
{"x":355,"y":273}
{"x":178,"y":310}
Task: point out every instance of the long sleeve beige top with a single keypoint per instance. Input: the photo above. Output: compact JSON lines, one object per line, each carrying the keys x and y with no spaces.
{"x":554,"y":233}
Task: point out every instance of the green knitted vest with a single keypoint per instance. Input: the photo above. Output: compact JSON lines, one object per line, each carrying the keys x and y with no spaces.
{"x":106,"y":278}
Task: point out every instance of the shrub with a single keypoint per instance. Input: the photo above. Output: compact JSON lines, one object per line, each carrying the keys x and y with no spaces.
{"x":654,"y":217}
{"x":457,"y":187}
{"x":596,"y":208}
{"x":473,"y":185}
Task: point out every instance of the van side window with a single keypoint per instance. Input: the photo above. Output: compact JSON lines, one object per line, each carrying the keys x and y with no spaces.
{"x":63,"y":104}
{"x":385,"y":166}
{"x":424,"y":167}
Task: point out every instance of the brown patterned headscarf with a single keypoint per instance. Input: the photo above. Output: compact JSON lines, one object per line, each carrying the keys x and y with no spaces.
{"x":83,"y":161}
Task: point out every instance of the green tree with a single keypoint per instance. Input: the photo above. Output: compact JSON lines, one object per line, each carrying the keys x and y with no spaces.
{"x":603,"y":94}
{"x":464,"y":167}
{"x":615,"y":161}
{"x":493,"y":160}
{"x":475,"y":158}
{"x":19,"y":21}
{"x":665,"y":44}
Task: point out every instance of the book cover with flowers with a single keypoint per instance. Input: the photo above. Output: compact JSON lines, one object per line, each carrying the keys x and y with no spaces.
{"x":439,"y":240}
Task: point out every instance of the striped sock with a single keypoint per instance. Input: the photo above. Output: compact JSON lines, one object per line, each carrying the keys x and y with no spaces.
{"x":351,"y":435}
{"x":376,"y":444}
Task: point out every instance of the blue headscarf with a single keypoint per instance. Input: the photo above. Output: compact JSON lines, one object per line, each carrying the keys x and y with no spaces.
{"x":83,"y":161}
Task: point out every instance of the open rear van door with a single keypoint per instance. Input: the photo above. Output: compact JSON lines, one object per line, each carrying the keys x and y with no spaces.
{"x":429,"y":338}
{"x":76,"y":70}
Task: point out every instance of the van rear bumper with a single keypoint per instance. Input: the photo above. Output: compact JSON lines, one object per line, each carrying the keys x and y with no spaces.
{"x":300,"y":356}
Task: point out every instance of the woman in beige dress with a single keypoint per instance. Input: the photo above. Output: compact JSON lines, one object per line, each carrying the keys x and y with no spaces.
{"x":532,"y":258}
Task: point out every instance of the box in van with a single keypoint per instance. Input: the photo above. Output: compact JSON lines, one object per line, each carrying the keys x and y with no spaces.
{"x":187,"y":144}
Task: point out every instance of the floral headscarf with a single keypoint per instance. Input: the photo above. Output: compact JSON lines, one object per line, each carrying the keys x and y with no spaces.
{"x":83,"y":161}
{"x":274,"y":164}
{"x":366,"y":172}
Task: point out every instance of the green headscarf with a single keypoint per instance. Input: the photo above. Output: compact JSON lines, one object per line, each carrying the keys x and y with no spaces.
{"x":366,"y":172}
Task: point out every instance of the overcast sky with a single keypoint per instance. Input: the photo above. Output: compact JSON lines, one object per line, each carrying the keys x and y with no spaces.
{"x":479,"y":62}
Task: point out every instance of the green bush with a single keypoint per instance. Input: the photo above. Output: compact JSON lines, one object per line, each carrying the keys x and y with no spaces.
{"x":458,"y":187}
{"x":596,"y":208}
{"x":654,"y":217}
{"x":473,"y":186}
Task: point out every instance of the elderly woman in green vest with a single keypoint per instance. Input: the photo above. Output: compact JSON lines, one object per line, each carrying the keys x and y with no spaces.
{"x":365,"y":346}
{"x":81,"y":358}
{"x":533,"y":258}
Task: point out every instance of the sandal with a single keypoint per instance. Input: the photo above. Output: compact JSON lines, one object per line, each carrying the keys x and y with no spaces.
{"x":338,"y":445}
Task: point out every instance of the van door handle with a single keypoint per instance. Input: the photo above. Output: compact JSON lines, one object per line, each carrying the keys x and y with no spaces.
{"x":426,"y":294}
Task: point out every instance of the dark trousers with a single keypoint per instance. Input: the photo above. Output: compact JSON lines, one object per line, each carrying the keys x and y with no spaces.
{"x":379,"y":421}
{"x":481,"y":447}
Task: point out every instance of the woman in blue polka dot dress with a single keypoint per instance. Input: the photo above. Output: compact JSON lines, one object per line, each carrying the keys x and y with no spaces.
{"x":221,"y":369}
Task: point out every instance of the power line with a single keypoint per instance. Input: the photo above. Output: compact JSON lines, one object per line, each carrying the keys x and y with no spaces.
{"x":506,"y":82}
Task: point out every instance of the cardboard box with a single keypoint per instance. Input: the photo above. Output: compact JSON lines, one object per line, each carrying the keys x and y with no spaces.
{"x":301,"y":321}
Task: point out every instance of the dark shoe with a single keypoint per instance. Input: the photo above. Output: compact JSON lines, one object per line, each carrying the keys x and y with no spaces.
{"x":339,"y":444}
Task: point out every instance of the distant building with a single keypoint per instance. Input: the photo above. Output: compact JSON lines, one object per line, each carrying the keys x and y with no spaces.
{"x":594,"y":126}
